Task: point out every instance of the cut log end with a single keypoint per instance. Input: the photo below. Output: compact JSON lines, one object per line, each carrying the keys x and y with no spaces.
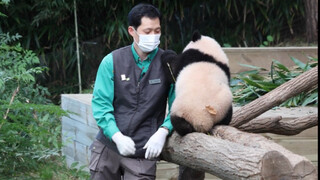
{"x":305,"y":170}
{"x":275,"y":166}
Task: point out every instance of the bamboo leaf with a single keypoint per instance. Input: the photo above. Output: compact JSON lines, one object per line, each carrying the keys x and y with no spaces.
{"x":280,"y":66}
{"x":311,"y":99}
{"x":256,"y":77}
{"x":299,"y":63}
{"x":253,"y":67}
{"x":250,"y":82}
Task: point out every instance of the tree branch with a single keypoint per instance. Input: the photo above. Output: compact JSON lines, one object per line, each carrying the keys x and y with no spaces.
{"x":277,"y":125}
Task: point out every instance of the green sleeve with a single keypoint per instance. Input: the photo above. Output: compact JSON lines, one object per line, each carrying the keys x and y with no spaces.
{"x":171,"y":97}
{"x":103,"y":95}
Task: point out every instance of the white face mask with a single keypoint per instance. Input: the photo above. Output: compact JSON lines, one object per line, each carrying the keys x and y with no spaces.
{"x":148,"y":43}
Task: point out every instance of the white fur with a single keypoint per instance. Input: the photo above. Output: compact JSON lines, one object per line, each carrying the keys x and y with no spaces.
{"x":208,"y":45}
{"x":197,"y":86}
{"x":201,"y":84}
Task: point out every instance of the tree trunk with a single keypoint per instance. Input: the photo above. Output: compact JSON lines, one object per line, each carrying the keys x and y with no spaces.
{"x":311,"y":9}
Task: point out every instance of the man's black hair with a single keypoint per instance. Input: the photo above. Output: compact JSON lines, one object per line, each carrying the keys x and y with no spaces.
{"x":142,"y":10}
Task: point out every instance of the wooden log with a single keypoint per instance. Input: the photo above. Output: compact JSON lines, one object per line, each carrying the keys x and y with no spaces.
{"x":275,"y":97}
{"x":227,"y":159}
{"x":277,"y":125}
{"x":302,"y":167}
{"x":259,"y":124}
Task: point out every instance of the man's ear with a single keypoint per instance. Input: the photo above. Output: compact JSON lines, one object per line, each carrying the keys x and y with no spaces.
{"x":131,"y":31}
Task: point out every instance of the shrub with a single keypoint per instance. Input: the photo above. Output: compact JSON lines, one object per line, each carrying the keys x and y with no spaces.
{"x":30,"y":128}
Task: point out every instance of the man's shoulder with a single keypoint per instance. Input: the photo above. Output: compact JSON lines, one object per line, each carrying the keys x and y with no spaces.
{"x":160,"y":50}
{"x":125,"y":48}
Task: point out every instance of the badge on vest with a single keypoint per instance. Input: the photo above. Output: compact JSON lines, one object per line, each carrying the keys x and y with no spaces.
{"x":124,"y":78}
{"x":155,"y":81}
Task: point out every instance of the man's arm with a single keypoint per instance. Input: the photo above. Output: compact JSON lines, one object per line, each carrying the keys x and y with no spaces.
{"x":103,"y":94}
{"x":167,"y":122}
{"x":156,"y":142}
{"x":102,"y":107}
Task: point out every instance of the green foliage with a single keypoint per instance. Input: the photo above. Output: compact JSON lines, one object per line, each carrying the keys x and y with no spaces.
{"x":267,"y":42}
{"x":48,"y":28}
{"x":30,"y":134}
{"x":17,"y":71}
{"x":30,"y":126}
{"x":249,"y":85}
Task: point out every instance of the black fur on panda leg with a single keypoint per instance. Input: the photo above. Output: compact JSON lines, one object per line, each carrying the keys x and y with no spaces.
{"x":181,"y":125}
{"x":227,"y":119}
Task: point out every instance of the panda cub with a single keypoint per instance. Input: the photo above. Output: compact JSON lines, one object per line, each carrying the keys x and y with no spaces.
{"x":201,"y":75}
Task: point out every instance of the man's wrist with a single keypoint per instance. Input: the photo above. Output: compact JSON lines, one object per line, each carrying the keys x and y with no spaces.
{"x":165,"y":128}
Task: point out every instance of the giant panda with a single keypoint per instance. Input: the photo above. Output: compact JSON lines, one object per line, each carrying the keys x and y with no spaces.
{"x":201,"y":75}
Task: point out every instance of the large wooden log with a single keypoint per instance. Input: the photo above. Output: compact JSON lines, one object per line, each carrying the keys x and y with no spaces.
{"x":225,"y":159}
{"x":233,"y":154}
{"x":302,"y":83}
{"x":302,"y":167}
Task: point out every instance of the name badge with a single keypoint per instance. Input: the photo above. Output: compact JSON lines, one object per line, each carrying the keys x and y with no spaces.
{"x":124,"y":78}
{"x":155,"y":81}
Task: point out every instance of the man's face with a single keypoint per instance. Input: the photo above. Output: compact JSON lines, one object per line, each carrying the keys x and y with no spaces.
{"x":148,"y":26}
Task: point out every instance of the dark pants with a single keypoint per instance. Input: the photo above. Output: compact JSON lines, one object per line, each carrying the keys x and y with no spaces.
{"x":186,"y":173}
{"x":106,"y":164}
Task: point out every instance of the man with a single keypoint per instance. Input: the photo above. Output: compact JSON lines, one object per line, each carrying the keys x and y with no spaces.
{"x":129,"y":103}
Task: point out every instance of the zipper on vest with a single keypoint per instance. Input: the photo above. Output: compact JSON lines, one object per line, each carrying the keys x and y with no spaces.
{"x":138,"y":85}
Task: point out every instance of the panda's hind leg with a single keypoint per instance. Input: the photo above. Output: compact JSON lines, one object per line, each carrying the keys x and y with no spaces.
{"x":228,"y":117}
{"x":181,"y":125}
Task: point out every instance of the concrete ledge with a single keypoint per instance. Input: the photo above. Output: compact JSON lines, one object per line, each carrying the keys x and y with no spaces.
{"x":262,"y":57}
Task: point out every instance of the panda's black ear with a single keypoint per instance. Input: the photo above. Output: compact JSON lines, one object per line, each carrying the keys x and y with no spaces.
{"x":196,"y":36}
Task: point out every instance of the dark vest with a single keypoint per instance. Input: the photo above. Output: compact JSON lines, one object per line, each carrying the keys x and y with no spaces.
{"x":139,"y":104}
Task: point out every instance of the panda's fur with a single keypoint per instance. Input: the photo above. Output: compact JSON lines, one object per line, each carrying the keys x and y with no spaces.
{"x":201,"y":75}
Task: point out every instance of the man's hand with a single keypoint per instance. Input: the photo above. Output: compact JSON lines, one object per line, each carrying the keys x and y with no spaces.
{"x":124,"y":144}
{"x":155,"y":143}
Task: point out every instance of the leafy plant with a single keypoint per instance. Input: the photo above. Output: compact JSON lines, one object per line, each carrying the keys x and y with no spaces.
{"x":252,"y":84}
{"x":30,"y":134}
{"x":30,"y":129}
{"x":268,"y":41}
{"x":17,"y":72}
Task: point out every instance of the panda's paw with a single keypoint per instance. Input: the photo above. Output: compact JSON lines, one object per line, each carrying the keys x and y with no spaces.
{"x":168,"y":55}
{"x":181,"y":126}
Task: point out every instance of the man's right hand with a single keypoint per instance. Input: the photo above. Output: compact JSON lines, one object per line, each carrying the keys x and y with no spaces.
{"x":124,"y":144}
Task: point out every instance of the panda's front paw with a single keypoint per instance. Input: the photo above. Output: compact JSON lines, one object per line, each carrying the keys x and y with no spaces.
{"x":168,"y":55}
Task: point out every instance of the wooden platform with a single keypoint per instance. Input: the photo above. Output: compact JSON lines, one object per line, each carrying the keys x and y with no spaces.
{"x":79,"y":130}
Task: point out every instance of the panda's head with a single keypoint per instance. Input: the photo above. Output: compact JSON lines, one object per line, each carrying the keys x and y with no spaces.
{"x":207,"y":45}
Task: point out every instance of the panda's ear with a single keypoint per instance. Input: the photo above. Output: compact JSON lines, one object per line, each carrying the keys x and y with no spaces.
{"x":196,"y":36}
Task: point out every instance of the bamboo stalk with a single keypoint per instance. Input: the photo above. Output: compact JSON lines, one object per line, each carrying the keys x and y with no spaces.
{"x":77,"y":45}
